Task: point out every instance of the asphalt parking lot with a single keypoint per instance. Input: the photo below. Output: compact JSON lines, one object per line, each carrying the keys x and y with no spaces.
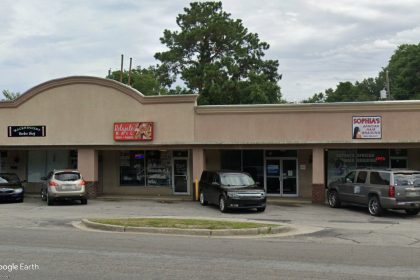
{"x":319,"y":223}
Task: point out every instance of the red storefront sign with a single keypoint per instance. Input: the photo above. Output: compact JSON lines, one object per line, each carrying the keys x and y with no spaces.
{"x":133,"y":131}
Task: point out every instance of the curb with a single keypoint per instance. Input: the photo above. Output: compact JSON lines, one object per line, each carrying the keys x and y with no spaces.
{"x":179,"y":231}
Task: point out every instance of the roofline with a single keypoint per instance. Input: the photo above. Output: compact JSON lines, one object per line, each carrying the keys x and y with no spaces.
{"x":368,"y":106}
{"x":186,"y":98}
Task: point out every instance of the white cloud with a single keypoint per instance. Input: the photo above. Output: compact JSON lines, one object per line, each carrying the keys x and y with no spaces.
{"x":318,"y":43}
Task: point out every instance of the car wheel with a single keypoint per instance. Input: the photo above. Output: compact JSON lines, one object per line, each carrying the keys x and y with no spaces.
{"x":412,"y":212}
{"x":333,"y":199}
{"x":50,"y":201}
{"x":260,"y":209}
{"x":83,"y":201}
{"x":222,"y":204}
{"x":374,"y":205}
{"x":43,"y":196}
{"x":203,"y":200}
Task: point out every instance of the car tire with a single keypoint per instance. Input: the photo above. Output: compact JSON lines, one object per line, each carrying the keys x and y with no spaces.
{"x":222,"y":204}
{"x":203,"y":200}
{"x":333,"y":199}
{"x":83,"y":201}
{"x":43,"y":196}
{"x":374,"y":206}
{"x":412,"y":212}
{"x":50,"y":201}
{"x":260,"y":209}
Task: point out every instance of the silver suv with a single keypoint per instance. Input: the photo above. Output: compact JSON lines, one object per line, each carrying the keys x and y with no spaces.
{"x":64,"y":185}
{"x":378,"y":189}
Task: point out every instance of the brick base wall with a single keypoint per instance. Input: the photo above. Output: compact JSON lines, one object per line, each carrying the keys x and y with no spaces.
{"x":318,"y":193}
{"x":92,"y":189}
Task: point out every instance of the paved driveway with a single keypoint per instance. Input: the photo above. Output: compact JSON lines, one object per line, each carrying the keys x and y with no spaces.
{"x":350,"y":225}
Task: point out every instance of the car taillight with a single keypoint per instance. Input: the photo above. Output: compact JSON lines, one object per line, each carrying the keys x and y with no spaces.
{"x":82,"y":182}
{"x":52,"y":184}
{"x":391,"y":191}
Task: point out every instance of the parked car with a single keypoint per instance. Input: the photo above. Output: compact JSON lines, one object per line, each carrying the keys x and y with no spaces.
{"x":63,"y":185}
{"x":11,"y":188}
{"x":378,"y":189}
{"x":231,"y":189}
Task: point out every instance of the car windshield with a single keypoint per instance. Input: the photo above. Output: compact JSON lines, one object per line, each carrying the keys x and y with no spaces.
{"x":9,"y":179}
{"x":67,"y":176}
{"x":407,"y":179}
{"x":236,"y":179}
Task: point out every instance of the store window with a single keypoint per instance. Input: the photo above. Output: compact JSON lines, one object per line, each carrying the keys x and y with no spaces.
{"x":231,"y":160}
{"x":145,"y":168}
{"x":40,"y":163}
{"x":340,"y":162}
{"x":253,"y":163}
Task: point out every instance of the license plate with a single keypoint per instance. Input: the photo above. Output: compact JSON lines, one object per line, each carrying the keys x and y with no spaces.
{"x":68,"y":188}
{"x":411,"y":194}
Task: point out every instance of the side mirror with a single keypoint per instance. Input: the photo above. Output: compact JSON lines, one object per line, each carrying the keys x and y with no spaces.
{"x":44,"y":178}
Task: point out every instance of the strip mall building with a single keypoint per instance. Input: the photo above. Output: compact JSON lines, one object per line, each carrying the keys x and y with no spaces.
{"x":125,"y":143}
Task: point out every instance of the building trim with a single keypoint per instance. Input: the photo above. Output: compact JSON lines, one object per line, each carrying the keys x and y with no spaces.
{"x":73,"y":80}
{"x":371,"y":106}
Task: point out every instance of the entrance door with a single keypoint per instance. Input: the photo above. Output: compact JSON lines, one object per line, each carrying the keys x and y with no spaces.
{"x":289,"y":177}
{"x":281,"y":177}
{"x":180,"y":175}
{"x":273,"y":176}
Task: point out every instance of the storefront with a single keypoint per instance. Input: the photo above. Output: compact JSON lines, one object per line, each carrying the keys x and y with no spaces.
{"x":128,"y":144}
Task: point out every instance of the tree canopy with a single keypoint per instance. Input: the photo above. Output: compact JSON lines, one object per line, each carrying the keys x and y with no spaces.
{"x":404,"y":76}
{"x":404,"y":72}
{"x":216,"y":57}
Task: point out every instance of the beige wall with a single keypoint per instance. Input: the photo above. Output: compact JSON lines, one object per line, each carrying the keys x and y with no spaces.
{"x":305,"y":175}
{"x":83,"y":114}
{"x":290,"y":125}
{"x":87,"y":164}
{"x":212,"y":159}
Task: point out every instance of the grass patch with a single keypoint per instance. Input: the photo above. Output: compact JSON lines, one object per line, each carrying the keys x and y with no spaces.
{"x":180,"y":223}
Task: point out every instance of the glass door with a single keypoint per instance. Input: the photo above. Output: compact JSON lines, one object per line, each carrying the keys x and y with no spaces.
{"x":281,"y":176}
{"x":289,"y":177}
{"x":273,"y":175}
{"x":180,"y":175}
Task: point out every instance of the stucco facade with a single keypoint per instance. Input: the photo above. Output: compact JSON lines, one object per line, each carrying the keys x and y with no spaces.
{"x":78,"y":114}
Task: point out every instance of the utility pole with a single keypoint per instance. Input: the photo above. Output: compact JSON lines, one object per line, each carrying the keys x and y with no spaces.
{"x":122,"y":67}
{"x":387,"y":85}
{"x":129,"y":72}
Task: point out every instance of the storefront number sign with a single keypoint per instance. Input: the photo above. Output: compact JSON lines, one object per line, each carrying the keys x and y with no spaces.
{"x":27,"y":131}
{"x":366,"y":127}
{"x":133,"y":131}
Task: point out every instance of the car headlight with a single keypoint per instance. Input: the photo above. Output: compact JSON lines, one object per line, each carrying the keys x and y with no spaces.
{"x":232,"y":194}
{"x":20,"y":190}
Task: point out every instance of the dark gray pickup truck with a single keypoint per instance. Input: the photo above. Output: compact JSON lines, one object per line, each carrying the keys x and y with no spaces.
{"x":378,"y":189}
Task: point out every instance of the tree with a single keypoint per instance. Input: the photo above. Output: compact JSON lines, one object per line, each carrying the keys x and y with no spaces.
{"x":10,"y":95}
{"x":404,"y":72}
{"x":145,"y":80}
{"x":217,"y":58}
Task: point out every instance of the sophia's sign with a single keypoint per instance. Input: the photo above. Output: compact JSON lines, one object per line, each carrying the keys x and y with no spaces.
{"x":366,"y":127}
{"x":133,"y":131}
{"x":27,"y":131}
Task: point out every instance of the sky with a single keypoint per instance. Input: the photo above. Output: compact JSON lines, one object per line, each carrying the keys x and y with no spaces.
{"x":317,"y":43}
